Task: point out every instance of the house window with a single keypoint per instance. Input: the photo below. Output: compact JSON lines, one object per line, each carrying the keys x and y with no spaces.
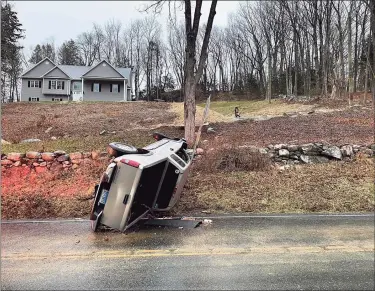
{"x":77,"y":86}
{"x":114,"y":88}
{"x":33,"y":99}
{"x":34,"y":84}
{"x":96,"y":87}
{"x":56,"y":85}
{"x":57,"y":99}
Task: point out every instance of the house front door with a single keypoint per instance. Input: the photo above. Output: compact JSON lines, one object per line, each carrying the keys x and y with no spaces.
{"x":77,"y":96}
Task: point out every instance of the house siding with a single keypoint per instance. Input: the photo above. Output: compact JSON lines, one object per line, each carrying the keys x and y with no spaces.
{"x":39,"y":70}
{"x":56,"y":73}
{"x":27,"y":92}
{"x":103,"y":72}
{"x":56,"y":91}
{"x":105,"y":94}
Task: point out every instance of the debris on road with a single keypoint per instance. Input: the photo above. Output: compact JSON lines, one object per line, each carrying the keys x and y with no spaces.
{"x":207,"y":221}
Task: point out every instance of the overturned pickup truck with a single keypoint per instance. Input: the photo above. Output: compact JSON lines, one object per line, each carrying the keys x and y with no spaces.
{"x":139,"y":181}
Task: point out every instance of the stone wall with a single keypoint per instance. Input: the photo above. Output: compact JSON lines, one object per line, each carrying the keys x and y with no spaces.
{"x":291,"y":154}
{"x":42,"y":161}
{"x":283,"y":155}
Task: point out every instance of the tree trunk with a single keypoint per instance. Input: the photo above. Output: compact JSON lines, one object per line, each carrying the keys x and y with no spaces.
{"x":350,"y":54}
{"x":191,"y":79}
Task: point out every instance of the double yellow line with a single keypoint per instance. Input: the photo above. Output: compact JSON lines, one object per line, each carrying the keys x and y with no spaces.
{"x":189,"y":252}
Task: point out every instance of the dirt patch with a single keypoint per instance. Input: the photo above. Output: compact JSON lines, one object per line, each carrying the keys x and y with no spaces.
{"x":349,"y":126}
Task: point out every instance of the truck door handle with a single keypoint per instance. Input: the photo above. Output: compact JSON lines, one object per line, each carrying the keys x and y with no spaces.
{"x":126,"y":198}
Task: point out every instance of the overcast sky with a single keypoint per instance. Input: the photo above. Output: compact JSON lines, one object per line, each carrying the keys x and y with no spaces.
{"x":62,"y":20}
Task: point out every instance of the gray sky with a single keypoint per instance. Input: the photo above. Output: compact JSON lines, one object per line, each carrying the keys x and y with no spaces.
{"x":62,"y":20}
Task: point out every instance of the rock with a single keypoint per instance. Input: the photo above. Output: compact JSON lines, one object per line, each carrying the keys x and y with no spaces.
{"x":30,"y":140}
{"x":283,"y":153}
{"x":15,"y":156}
{"x":198,"y":157}
{"x":271,"y":146}
{"x":48,"y":156}
{"x":76,"y":162}
{"x":333,"y":152}
{"x":347,"y":150}
{"x":103,"y":154}
{"x":48,"y":129}
{"x":59,"y":153}
{"x":53,"y":138}
{"x":372,"y":147}
{"x":33,"y":155}
{"x":113,"y":132}
{"x":263,"y":150}
{"x":271,"y":155}
{"x":76,"y":156}
{"x":43,"y":164}
{"x":310,"y":149}
{"x":94,"y":155}
{"x":86,"y":155}
{"x":66,"y":163}
{"x":6,"y":162}
{"x":75,"y":166}
{"x":199,"y":151}
{"x":63,"y":158}
{"x":17,"y":164}
{"x":294,"y":157}
{"x":4,"y":142}
{"x":210,"y":130}
{"x":313,"y":159}
{"x":102,"y":132}
{"x":284,"y":167}
{"x":205,"y":141}
{"x":40,"y":160}
{"x":280,"y":146}
{"x":292,"y":148}
{"x":368,"y":152}
{"x":36,"y":164}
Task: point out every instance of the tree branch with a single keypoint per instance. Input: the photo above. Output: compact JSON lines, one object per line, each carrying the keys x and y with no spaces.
{"x":203,"y":56}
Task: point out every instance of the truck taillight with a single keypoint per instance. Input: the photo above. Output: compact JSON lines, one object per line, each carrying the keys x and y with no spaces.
{"x":105,"y":178}
{"x":130,"y":163}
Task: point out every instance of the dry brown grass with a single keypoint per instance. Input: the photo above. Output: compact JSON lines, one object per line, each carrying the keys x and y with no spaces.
{"x":231,"y":158}
{"x":25,"y":120}
{"x":213,"y":117}
{"x":331,"y":187}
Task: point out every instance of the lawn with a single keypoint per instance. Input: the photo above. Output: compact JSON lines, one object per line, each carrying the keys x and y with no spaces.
{"x":257,"y":107}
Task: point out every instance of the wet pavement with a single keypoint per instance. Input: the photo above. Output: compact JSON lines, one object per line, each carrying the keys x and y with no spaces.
{"x":250,"y":252}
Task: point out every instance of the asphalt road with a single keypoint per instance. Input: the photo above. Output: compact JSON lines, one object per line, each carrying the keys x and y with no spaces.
{"x":295,"y":252}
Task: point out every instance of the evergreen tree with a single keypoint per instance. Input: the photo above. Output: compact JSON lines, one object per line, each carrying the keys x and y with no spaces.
{"x":37,"y":55}
{"x":69,"y":54}
{"x":11,"y":65}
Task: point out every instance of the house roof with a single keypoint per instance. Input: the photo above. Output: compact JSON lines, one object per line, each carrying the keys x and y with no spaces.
{"x":56,"y":67}
{"x":76,"y":72}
